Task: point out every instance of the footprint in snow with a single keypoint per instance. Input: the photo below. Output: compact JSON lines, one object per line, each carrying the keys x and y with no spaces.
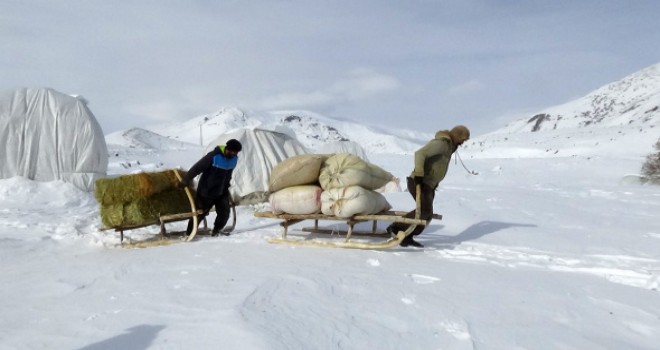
{"x":457,"y":330}
{"x":408,"y":299}
{"x":373,"y":262}
{"x":653,"y":235}
{"x":423,"y":279}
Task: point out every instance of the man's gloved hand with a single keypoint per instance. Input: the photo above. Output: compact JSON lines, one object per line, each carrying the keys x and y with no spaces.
{"x":181,"y":184}
{"x":418,"y":180}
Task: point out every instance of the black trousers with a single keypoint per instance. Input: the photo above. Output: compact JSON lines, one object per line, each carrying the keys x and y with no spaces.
{"x":426,"y":207}
{"x":222,"y":207}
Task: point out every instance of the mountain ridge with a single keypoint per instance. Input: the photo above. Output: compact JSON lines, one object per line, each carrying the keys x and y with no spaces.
{"x":311,"y":129}
{"x":622,"y":117}
{"x":633,"y":100}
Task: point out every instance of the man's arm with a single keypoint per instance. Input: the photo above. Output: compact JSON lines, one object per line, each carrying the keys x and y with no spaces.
{"x":199,"y":167}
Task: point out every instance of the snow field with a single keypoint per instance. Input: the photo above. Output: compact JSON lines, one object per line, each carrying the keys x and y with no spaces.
{"x":530,"y":253}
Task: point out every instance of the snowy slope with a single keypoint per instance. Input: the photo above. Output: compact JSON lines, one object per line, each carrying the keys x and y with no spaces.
{"x":632,"y":101}
{"x":136,"y":150}
{"x":620,"y":141}
{"x":621,"y":118}
{"x":530,"y":254}
{"x":311,"y":129}
{"x":145,"y":139}
{"x":203,"y":129}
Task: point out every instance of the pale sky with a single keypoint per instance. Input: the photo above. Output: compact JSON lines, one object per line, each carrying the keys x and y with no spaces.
{"x":420,"y":65}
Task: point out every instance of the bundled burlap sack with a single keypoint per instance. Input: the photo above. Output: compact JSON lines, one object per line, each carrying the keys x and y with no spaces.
{"x":303,"y":169}
{"x":304,"y":199}
{"x":344,"y":169}
{"x":348,"y":201}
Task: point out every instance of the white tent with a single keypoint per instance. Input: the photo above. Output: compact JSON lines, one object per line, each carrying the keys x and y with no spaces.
{"x":47,"y":135}
{"x":343,"y":147}
{"x":262,"y":150}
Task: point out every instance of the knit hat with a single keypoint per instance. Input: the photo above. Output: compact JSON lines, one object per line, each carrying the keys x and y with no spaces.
{"x":234,"y":145}
{"x":459,"y":134}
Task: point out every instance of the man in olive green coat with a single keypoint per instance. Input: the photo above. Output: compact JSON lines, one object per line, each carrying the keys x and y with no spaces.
{"x":431,"y":163}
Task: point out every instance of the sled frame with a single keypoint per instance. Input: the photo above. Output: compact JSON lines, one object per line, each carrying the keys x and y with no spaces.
{"x":163,"y":238}
{"x":389,"y":216}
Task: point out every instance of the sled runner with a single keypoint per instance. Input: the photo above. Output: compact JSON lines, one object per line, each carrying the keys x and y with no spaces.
{"x":389,"y":216}
{"x":165,"y":238}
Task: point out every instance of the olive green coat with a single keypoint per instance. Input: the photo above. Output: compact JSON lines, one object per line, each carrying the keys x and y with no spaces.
{"x":432,"y":160}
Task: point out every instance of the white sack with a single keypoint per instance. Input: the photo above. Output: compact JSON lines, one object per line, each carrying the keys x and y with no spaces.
{"x":348,"y":201}
{"x":295,"y":171}
{"x":392,"y":186}
{"x":296,"y":200}
{"x":343,"y":170}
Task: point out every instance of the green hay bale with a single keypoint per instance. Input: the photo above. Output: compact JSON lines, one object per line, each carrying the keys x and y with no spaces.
{"x":128,"y":188}
{"x":112,"y":215}
{"x":145,"y":211}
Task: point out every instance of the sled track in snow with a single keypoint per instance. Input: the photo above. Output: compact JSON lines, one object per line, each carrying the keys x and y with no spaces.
{"x":627,"y":270}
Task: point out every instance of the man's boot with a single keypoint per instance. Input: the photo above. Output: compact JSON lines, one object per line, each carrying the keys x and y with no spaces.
{"x":217,"y":230}
{"x":409,"y":241}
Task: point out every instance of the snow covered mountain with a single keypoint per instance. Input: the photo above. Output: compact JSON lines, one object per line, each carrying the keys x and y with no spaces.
{"x":621,"y":118}
{"x":145,"y":139}
{"x":314,"y":130}
{"x":311,"y":129}
{"x":633,"y":100}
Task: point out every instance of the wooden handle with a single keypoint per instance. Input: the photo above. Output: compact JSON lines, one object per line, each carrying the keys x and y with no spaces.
{"x":193,"y":206}
{"x":418,"y":200}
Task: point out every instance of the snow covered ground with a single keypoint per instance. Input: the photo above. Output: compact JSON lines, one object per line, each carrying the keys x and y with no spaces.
{"x":532,"y":253}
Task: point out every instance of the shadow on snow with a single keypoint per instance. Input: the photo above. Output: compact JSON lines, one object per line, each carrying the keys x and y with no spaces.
{"x":472,"y":233}
{"x":137,"y":338}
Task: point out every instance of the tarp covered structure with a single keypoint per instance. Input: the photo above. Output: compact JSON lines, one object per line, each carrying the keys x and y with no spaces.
{"x":351,"y":147}
{"x":262,"y":150}
{"x":47,"y":135}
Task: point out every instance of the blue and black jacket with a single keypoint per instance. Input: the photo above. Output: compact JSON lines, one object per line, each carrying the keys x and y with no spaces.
{"x":216,"y":170}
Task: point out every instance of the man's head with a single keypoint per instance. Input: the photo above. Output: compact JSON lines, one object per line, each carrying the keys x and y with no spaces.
{"x":232,"y":147}
{"x":459,"y":134}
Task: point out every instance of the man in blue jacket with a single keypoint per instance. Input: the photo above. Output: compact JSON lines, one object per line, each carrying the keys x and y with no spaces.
{"x":216,"y":168}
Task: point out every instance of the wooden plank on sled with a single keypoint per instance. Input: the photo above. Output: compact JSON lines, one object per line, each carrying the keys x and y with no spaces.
{"x":343,"y":232}
{"x":385,"y":216}
{"x":393,"y":242}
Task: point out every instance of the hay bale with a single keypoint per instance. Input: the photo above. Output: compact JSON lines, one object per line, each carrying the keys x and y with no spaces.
{"x":112,"y":215}
{"x":145,"y":211}
{"x":128,"y":188}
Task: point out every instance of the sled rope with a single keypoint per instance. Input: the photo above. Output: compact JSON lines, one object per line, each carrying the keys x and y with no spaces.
{"x":458,"y":156}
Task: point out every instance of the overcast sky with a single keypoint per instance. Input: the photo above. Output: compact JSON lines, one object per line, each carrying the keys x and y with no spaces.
{"x":421,"y":65}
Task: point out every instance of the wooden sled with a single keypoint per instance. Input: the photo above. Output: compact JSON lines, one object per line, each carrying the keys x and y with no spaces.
{"x":389,"y":216}
{"x":174,"y":237}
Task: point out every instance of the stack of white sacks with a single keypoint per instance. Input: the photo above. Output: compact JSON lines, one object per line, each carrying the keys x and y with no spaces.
{"x":340,"y":185}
